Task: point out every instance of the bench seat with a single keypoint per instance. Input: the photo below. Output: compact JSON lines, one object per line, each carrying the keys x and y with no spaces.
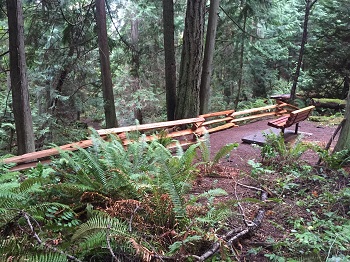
{"x":295,"y":117}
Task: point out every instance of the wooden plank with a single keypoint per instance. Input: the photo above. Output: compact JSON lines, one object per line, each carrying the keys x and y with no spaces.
{"x":279,"y":121}
{"x":258,"y":109}
{"x":223,"y":127}
{"x":253,"y":117}
{"x":47,"y":152}
{"x":221,"y":113}
{"x":186,"y":143}
{"x":201,"y":131}
{"x":146,"y":127}
{"x":303,"y":109}
{"x":214,"y":121}
{"x":25,"y":166}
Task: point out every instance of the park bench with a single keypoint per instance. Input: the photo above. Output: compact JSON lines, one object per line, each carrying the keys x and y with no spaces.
{"x":294,"y":117}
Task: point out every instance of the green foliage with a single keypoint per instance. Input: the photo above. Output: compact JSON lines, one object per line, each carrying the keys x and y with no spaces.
{"x":319,"y":224}
{"x":334,"y":160}
{"x":276,"y":152}
{"x":99,"y":229}
{"x":209,"y":163}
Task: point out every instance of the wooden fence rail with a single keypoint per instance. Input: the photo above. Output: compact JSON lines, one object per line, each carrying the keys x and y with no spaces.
{"x":186,"y":131}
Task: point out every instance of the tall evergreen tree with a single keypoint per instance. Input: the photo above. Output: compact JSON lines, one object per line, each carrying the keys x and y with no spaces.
{"x":191,"y":61}
{"x":19,"y":81}
{"x":107,"y":86}
{"x":308,"y":6}
{"x":205,"y":90}
{"x":170,"y":62}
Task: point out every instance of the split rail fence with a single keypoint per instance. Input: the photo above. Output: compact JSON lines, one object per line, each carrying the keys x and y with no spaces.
{"x":185,"y":131}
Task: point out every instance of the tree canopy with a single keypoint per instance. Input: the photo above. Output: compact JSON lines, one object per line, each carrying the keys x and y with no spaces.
{"x":256,"y":53}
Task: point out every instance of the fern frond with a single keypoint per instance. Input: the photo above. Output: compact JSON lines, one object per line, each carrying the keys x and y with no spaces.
{"x":223,"y":152}
{"x":93,"y":166}
{"x":6,"y":177}
{"x":73,"y":189}
{"x":189,"y":155}
{"x":101,"y":223}
{"x":205,"y":150}
{"x":93,"y":241}
{"x":46,"y":257}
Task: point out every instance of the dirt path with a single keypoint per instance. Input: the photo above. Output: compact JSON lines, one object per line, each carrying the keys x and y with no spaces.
{"x":235,"y":169}
{"x":314,"y":132}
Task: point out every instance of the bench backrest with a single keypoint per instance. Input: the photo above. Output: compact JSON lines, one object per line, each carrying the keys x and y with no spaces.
{"x":299,"y":115}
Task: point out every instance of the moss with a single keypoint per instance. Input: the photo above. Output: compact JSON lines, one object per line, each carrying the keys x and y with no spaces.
{"x":330,"y":100}
{"x":327,"y":120}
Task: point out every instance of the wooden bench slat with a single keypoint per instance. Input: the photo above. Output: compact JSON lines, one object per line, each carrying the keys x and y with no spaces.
{"x":295,"y":117}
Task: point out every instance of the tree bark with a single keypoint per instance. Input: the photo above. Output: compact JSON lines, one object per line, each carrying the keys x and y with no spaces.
{"x":107,"y":86}
{"x":135,"y":66}
{"x":343,"y":142}
{"x":19,"y":81}
{"x":205,"y":89}
{"x":170,"y":63}
{"x":241,"y":63}
{"x":187,"y":105}
{"x":308,"y":6}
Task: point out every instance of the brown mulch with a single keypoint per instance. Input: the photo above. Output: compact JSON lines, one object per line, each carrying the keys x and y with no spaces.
{"x":234,"y":168}
{"x":313,"y":132}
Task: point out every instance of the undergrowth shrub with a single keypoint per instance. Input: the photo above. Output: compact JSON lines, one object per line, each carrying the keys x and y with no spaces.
{"x":314,"y":203}
{"x":110,"y":201}
{"x":277,"y":153}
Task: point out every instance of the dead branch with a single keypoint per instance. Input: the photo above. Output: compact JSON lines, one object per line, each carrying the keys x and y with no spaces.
{"x":40,"y":242}
{"x":109,"y":243}
{"x":230,"y":238}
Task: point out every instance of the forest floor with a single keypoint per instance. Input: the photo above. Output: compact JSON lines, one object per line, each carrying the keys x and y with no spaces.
{"x":234,"y":171}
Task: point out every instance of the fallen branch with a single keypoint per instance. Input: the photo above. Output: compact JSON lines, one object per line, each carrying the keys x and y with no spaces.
{"x":40,"y":242}
{"x":230,"y":238}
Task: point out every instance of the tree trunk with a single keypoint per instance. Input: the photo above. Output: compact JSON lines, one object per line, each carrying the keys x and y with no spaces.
{"x":19,"y":81}
{"x":135,"y":66}
{"x":344,"y":136}
{"x":346,"y":86}
{"x":170,"y":63}
{"x":241,"y":63}
{"x":107,"y":86}
{"x":187,"y":105}
{"x":308,"y":6}
{"x":205,"y":89}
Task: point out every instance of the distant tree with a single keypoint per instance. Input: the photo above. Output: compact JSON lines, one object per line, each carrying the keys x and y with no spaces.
{"x":328,"y":53}
{"x":135,"y":65}
{"x":246,"y":9}
{"x":107,"y":86}
{"x":308,"y":6}
{"x":191,"y":61}
{"x":205,"y":88}
{"x":170,"y":62}
{"x":19,"y":81}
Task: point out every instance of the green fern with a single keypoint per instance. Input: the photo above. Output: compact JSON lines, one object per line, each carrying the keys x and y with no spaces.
{"x":209,"y":164}
{"x":47,"y":257}
{"x":93,"y":234}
